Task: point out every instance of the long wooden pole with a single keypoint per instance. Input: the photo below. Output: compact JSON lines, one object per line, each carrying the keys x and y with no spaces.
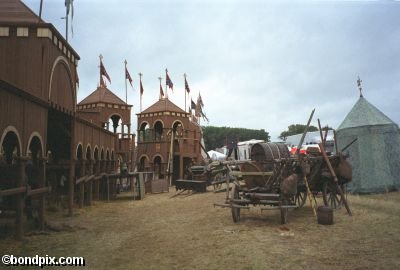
{"x":320,"y":132}
{"x":335,"y":179}
{"x":40,"y":10}
{"x":184,"y":76}
{"x":66,"y":24}
{"x":126,"y":86}
{"x":312,"y":203}
{"x":304,"y":133}
{"x":166,"y":85}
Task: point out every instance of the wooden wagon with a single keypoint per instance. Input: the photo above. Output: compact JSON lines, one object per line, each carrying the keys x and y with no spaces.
{"x":272,"y":179}
{"x":202,"y":176}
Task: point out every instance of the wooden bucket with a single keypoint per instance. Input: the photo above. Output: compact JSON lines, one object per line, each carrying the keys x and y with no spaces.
{"x":325,"y":215}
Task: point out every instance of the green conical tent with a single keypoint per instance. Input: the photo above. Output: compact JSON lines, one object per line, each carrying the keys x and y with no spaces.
{"x":375,"y":156}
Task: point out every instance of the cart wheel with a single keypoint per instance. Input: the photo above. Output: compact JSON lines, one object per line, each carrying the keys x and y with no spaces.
{"x":331,"y":195}
{"x":300,"y":198}
{"x":235,"y":211}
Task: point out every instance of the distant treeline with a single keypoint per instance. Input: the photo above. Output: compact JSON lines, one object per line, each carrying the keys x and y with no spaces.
{"x":215,"y":137}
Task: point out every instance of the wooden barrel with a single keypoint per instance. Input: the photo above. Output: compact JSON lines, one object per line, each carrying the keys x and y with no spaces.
{"x":265,"y":153}
{"x":325,"y":215}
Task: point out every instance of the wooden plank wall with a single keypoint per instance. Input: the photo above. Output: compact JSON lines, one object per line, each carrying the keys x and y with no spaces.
{"x":27,"y":62}
{"x":87,"y":133}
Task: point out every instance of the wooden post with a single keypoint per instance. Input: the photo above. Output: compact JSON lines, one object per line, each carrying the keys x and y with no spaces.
{"x":97,"y":182}
{"x":71,"y":167}
{"x":20,"y":204}
{"x":108,"y":188}
{"x":82,"y":185}
{"x":90,"y":184}
{"x":71,"y":187}
{"x":42,"y":199}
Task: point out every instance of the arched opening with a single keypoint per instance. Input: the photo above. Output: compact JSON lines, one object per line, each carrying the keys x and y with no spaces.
{"x":102,"y":154}
{"x":114,"y":123}
{"x":177,"y":127}
{"x":10,"y":148}
{"x":158,"y":130}
{"x":35,"y":149}
{"x":157,"y":167}
{"x":79,"y":152}
{"x":143,"y":164}
{"x":33,"y":169}
{"x":144,"y":132}
{"x":88,"y":157}
{"x":79,"y":158}
{"x":112,"y":168}
{"x":96,"y":156}
{"x":102,"y":160}
{"x":108,"y":161}
{"x":88,"y":154}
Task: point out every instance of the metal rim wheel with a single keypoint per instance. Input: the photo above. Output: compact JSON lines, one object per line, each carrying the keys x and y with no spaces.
{"x":235,"y":210}
{"x":331,"y":195}
{"x":300,"y":198}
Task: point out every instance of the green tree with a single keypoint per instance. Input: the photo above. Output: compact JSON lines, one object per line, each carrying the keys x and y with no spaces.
{"x":215,"y":137}
{"x":295,"y":129}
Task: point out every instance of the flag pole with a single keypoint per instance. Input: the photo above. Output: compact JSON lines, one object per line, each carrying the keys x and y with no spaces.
{"x":140,"y":91}
{"x":40,"y":10}
{"x":166,"y":85}
{"x":66,"y":24}
{"x":126,"y":86}
{"x":184,"y":76}
{"x":101,"y":58}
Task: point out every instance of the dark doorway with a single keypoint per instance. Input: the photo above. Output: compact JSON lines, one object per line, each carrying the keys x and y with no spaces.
{"x":176,"y":171}
{"x":59,"y":135}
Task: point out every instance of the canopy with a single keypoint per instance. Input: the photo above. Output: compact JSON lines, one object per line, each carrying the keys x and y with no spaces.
{"x":216,"y":155}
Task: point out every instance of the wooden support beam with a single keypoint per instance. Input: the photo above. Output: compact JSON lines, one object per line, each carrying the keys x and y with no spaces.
{"x":42,"y":199}
{"x":20,"y":202}
{"x":108,"y":188}
{"x":80,"y":180}
{"x":81,"y":194}
{"x":96,"y":189}
{"x":89,"y":178}
{"x":90,"y":183}
{"x":71,"y":185}
{"x":38,"y":191}
{"x":12,"y":191}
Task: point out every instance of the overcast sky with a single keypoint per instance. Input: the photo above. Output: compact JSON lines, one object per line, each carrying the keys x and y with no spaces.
{"x":258,"y":64}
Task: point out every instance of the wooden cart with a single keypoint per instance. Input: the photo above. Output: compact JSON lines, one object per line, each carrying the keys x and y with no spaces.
{"x":274,"y":180}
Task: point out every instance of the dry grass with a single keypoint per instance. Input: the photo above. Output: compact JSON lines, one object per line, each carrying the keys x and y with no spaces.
{"x":187,"y":232}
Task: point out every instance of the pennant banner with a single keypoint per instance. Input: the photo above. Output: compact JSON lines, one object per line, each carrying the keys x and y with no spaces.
{"x":168,"y":81}
{"x":128,"y":76}
{"x":103,"y":71}
{"x":187,"y":87}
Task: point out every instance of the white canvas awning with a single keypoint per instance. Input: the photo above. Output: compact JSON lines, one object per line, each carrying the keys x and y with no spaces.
{"x":214,"y":155}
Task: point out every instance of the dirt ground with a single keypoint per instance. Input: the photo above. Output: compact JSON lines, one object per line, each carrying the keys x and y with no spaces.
{"x":187,"y":232}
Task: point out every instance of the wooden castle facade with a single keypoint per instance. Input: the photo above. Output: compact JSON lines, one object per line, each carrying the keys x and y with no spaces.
{"x":49,"y":144}
{"x":168,"y":141}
